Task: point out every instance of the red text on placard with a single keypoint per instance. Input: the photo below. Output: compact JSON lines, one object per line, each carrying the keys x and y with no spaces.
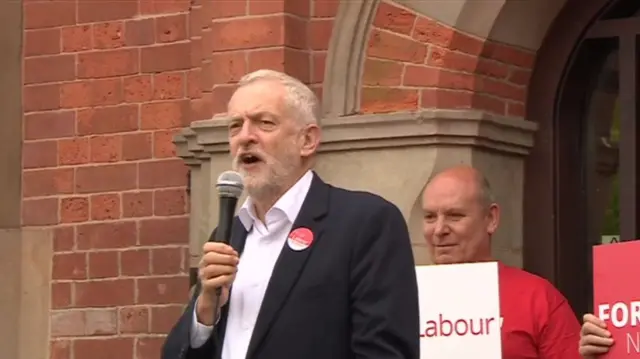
{"x":442,"y":327}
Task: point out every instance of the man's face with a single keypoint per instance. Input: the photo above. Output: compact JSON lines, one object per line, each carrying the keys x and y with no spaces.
{"x":263,"y":136}
{"x":457,"y":226}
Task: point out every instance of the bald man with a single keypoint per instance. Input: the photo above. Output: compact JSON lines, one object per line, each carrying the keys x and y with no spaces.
{"x":460,"y":217}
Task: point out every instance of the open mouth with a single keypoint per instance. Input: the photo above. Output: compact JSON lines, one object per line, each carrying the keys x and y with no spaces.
{"x":249,"y":159}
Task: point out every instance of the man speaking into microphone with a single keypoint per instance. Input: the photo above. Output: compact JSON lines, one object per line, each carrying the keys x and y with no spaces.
{"x":312,"y":271}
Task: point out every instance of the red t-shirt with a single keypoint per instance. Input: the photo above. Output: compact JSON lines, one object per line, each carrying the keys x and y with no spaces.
{"x":537,"y":321}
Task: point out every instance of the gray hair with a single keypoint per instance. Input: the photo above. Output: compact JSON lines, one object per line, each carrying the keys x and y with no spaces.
{"x":299,"y":98}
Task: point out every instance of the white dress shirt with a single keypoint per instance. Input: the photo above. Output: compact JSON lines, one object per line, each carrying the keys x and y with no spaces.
{"x":262,"y":248}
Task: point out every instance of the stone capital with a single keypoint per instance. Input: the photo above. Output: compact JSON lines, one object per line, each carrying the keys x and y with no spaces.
{"x":203,"y":139}
{"x":392,"y":155}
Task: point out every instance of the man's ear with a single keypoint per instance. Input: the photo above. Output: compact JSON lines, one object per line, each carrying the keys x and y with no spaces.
{"x":310,"y":140}
{"x":494,"y":218}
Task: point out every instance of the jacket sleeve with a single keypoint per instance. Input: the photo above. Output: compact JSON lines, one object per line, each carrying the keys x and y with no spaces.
{"x":177,"y":345}
{"x":384,"y":290}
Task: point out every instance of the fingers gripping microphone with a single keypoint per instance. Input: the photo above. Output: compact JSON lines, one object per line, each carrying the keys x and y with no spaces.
{"x":230,"y":187}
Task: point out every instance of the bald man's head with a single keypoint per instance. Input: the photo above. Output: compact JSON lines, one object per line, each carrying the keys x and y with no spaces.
{"x":460,"y":215}
{"x":476,"y":182}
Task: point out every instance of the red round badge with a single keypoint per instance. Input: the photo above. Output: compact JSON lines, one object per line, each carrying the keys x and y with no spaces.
{"x":300,"y":239}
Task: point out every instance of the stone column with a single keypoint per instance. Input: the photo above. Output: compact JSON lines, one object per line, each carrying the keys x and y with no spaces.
{"x":25,"y":294}
{"x":392,"y":155}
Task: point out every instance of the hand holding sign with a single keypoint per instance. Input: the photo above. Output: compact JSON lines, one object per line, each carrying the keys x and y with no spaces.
{"x":595,"y":339}
{"x":616,"y":302}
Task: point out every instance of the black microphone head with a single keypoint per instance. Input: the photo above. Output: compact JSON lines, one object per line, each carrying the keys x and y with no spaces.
{"x":230,"y":184}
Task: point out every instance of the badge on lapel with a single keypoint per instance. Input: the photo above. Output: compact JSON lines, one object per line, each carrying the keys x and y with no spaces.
{"x":300,"y":239}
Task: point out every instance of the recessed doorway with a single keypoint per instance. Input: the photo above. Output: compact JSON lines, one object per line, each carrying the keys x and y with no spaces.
{"x":581,"y":186}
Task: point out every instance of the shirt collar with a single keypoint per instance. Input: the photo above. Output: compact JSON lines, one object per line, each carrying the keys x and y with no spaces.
{"x":289,"y":204}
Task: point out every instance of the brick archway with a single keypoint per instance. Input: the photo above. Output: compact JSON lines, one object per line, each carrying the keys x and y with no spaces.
{"x":462,"y":63}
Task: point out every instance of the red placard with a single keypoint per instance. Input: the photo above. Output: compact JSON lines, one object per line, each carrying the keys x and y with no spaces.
{"x":616,"y":284}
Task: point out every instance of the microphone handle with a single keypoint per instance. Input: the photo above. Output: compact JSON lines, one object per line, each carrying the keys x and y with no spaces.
{"x":225,"y":218}
{"x":223,"y":234}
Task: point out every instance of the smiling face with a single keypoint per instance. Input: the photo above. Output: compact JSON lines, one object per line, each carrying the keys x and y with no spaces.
{"x":458,"y":222}
{"x":268,"y":144}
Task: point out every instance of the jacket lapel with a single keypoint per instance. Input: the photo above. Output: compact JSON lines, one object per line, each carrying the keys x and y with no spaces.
{"x":238,"y":236}
{"x":238,"y":239}
{"x":290,"y":263}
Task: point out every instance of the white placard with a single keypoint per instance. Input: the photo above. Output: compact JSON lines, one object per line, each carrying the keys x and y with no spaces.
{"x":459,"y":311}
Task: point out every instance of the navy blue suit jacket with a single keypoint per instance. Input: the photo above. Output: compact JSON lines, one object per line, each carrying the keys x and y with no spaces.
{"x":351,"y":294}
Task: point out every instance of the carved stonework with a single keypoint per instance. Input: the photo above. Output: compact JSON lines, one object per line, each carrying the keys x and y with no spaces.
{"x":392,"y":155}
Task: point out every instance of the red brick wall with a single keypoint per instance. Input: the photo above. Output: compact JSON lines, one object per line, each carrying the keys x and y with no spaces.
{"x":286,"y":35}
{"x":415,"y":62}
{"x":105,"y":88}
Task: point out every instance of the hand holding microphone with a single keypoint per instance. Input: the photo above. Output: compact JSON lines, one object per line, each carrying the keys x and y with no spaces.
{"x":218,"y":268}
{"x":219,"y":261}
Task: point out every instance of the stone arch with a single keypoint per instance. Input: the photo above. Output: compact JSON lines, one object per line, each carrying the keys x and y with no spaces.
{"x":523,"y":24}
{"x":474,"y":27}
{"x":343,"y":71}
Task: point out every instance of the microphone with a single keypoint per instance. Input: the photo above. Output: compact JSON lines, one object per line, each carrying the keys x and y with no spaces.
{"x":230,"y":187}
